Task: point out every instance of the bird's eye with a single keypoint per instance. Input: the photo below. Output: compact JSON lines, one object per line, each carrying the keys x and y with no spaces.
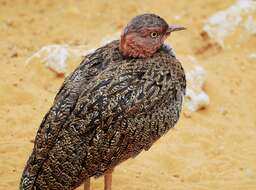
{"x":154,"y":34}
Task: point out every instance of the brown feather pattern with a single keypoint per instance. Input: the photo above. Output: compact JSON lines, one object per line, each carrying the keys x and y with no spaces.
{"x":108,"y":110}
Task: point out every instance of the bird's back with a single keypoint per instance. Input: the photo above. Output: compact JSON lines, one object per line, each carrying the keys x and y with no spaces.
{"x":109,"y":109}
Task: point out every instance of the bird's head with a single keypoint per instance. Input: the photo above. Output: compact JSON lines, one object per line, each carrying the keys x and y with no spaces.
{"x":144,"y":35}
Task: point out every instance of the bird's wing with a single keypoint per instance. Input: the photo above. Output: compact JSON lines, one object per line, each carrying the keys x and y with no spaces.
{"x":67,"y":98}
{"x":129,"y":89}
{"x":92,"y":135}
{"x":64,"y":104}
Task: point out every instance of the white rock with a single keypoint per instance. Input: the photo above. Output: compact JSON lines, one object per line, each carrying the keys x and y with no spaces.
{"x":195,"y":98}
{"x":197,"y":77}
{"x":55,"y":56}
{"x":250,"y":25}
{"x":225,"y":22}
{"x":252,"y":56}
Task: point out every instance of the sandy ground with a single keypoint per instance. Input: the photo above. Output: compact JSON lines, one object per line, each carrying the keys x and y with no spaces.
{"x":213,"y":149}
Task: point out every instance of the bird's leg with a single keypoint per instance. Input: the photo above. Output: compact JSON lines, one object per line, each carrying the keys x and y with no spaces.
{"x":87,"y":184}
{"x":108,"y":180}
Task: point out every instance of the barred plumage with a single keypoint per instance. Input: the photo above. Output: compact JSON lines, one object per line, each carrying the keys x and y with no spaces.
{"x":108,"y":110}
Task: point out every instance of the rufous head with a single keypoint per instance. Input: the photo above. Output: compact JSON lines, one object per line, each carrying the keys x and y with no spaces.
{"x":144,"y":35}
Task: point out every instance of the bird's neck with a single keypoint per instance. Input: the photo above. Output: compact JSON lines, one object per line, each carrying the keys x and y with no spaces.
{"x":130,"y":48}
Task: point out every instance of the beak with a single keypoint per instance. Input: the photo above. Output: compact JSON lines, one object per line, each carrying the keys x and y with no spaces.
{"x":173,"y":28}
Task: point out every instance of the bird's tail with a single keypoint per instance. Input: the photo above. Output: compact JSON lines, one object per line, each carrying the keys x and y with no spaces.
{"x":29,"y":174}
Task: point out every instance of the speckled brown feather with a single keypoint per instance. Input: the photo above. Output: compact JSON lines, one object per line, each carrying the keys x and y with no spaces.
{"x":108,"y":110}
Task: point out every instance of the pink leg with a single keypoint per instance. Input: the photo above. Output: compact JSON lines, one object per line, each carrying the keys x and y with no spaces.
{"x":87,"y":184}
{"x":108,"y":180}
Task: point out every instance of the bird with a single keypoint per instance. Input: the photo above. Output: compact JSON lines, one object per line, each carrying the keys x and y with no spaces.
{"x":118,"y":102}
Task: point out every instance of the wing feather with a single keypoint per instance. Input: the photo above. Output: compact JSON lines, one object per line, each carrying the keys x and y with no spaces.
{"x":64,"y":104}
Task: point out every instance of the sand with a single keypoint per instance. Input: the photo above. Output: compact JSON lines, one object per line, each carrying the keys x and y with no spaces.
{"x":213,"y":149}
